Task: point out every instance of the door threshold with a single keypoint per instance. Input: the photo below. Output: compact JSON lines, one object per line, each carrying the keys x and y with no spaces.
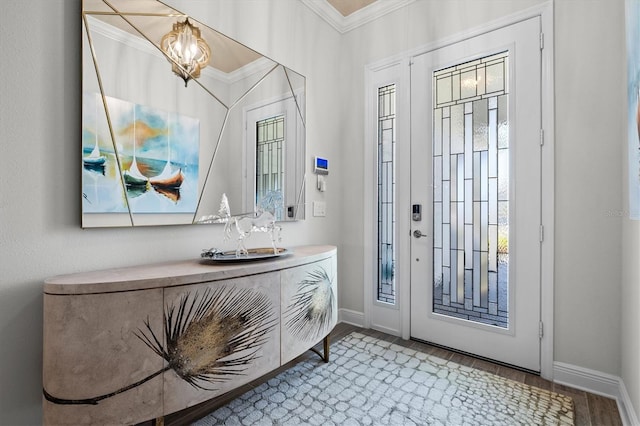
{"x":479,"y":357}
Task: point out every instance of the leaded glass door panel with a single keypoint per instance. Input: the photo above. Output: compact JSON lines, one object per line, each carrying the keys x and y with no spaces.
{"x":475,"y":114}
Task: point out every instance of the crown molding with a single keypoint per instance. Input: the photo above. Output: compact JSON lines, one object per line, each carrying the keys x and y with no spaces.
{"x":344,"y":24}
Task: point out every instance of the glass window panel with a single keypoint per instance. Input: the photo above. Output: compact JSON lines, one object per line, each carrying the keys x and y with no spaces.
{"x":493,"y":291}
{"x":453,"y":290}
{"x":493,"y":307}
{"x":506,"y":74}
{"x":437,"y":132}
{"x":476,"y":278}
{"x":387,"y":189}
{"x":468,"y":84}
{"x":493,"y":143}
{"x":445,"y":299}
{"x":476,"y":225}
{"x":445,"y":148}
{"x":468,"y":246}
{"x":476,"y":176}
{"x":503,"y":121}
{"x":484,"y":176}
{"x":503,"y":288}
{"x":445,"y":201}
{"x":472,"y":215}
{"x":468,"y":204}
{"x":503,"y":239}
{"x":468,"y":304}
{"x":503,"y":174}
{"x":493,"y":201}
{"x":468,"y":143}
{"x":443,"y":90}
{"x":455,"y":87}
{"x":460,"y":225}
{"x":454,"y":177}
{"x":480,"y":125}
{"x":270,"y":134}
{"x":389,"y":217}
{"x":468,"y":289}
{"x":460,"y":178}
{"x":495,"y":77}
{"x":269,"y":166}
{"x":503,"y":254}
{"x":457,"y":129}
{"x":503,"y":213}
{"x":461,"y":276}
{"x":387,"y":146}
{"x":454,"y":226}
{"x":280,"y":129}
{"x":446,"y":283}
{"x":386,"y":194}
{"x":437,"y":178}
{"x":484,"y":280}
{"x":484,"y":218}
{"x":446,"y":248}
{"x":493,"y":245}
{"x":481,"y":87}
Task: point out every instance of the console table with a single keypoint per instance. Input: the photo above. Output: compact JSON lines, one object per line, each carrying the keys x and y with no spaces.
{"x":132,"y":344}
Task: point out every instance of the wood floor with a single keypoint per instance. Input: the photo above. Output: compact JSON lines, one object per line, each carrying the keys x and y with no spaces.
{"x":590,"y":409}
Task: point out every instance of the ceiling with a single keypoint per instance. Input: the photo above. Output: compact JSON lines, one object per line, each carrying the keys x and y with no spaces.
{"x":347,"y":7}
{"x":346,"y":15}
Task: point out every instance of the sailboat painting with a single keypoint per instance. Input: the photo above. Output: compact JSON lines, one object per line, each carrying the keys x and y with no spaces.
{"x":156,"y":169}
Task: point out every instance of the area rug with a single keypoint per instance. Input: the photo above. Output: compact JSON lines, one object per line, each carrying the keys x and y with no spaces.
{"x":373,"y":382}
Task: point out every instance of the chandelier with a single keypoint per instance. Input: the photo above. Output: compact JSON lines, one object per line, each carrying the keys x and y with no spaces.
{"x":186,"y":49}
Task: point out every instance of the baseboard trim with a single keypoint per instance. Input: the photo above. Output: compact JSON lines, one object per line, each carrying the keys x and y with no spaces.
{"x":630,"y":415}
{"x":351,"y":317}
{"x":598,"y":383}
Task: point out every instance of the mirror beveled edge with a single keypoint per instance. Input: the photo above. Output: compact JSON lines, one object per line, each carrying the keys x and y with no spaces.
{"x":144,"y":21}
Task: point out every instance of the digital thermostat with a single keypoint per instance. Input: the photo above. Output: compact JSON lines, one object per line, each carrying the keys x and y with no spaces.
{"x":321,"y":166}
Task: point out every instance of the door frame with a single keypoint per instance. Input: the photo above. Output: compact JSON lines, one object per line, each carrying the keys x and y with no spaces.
{"x":400,"y":65}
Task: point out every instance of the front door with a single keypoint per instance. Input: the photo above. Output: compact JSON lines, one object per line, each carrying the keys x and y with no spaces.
{"x":475,"y":173}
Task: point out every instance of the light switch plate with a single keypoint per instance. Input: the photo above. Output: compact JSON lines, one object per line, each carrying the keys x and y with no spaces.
{"x":319,"y":208}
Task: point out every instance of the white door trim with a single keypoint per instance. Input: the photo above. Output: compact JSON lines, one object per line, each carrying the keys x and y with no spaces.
{"x":545,"y":12}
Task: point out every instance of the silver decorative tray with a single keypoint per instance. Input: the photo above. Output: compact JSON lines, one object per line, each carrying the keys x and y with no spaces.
{"x":262,"y":253}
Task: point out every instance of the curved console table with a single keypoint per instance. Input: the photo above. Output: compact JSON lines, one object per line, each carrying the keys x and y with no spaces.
{"x":133,"y":344}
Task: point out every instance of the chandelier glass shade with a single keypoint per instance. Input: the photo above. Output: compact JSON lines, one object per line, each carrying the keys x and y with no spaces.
{"x":187,"y":51}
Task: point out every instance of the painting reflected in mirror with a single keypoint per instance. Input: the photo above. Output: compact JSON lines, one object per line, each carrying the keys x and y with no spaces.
{"x":168,"y":129}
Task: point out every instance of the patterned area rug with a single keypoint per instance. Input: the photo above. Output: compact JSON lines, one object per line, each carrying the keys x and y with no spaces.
{"x":373,"y":382}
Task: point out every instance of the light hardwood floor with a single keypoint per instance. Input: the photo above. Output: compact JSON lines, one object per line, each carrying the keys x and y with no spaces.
{"x":590,"y":409}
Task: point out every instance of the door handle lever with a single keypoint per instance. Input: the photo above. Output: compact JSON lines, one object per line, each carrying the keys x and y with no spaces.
{"x":418,"y":234}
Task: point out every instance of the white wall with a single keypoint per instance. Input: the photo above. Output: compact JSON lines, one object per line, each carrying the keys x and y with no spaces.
{"x":630,"y":292}
{"x":40,"y":169}
{"x":590,"y":90}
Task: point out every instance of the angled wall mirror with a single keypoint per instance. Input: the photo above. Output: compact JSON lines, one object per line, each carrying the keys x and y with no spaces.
{"x":162,"y":140}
